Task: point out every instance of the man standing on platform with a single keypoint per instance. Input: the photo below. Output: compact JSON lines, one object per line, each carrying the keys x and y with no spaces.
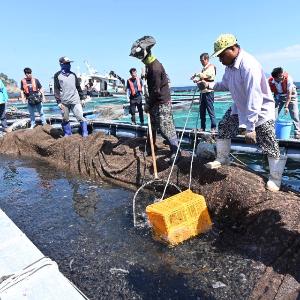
{"x":208,"y":74}
{"x":158,"y":102}
{"x":285,"y":94}
{"x":134,"y":95}
{"x":253,"y":107}
{"x":68,"y":95}
{"x":32,"y":91}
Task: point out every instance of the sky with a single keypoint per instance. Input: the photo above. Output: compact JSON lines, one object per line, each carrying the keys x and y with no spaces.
{"x":36,"y":33}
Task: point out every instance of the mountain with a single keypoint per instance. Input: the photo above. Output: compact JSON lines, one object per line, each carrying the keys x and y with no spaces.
{"x":11,"y":84}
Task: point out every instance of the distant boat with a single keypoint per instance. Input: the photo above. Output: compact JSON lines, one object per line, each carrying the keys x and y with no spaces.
{"x":97,"y":85}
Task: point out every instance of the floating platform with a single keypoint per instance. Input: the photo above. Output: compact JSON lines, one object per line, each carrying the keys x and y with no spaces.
{"x":25,"y":273}
{"x":119,"y":129}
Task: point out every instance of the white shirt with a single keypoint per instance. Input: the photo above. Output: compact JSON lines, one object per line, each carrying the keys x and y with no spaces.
{"x":252,"y":97}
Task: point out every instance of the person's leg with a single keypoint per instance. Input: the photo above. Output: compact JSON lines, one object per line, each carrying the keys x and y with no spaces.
{"x":211,"y":109}
{"x":3,"y":116}
{"x":266,"y":140}
{"x":166,"y":126}
{"x":280,"y":106}
{"x":78,"y":114}
{"x":227,"y":129}
{"x":202,"y":109}
{"x":31,"y":109}
{"x":132,"y":111}
{"x":154,"y":119}
{"x":40,"y":110}
{"x":65,"y":122}
{"x":294,"y":113}
{"x":140,"y":110}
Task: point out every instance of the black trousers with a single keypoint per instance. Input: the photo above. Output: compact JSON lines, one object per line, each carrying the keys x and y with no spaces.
{"x":207,"y":104}
{"x":139,"y":106}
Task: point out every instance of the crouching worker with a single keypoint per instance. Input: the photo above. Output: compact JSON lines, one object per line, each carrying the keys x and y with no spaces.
{"x":158,"y":100}
{"x":253,"y":107}
{"x":68,"y":95}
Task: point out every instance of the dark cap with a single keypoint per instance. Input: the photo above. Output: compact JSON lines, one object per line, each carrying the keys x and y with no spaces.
{"x":65,"y":60}
{"x":144,"y":43}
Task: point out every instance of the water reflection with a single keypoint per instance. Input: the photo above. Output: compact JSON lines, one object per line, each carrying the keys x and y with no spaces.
{"x":84,"y":199}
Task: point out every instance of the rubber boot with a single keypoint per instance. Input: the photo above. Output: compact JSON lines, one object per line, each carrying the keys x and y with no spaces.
{"x":276,"y":167}
{"x":66,"y":128}
{"x":84,"y":131}
{"x":173,"y":154}
{"x":223,"y":151}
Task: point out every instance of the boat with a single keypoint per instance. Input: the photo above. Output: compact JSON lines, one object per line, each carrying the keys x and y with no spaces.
{"x":100,"y":85}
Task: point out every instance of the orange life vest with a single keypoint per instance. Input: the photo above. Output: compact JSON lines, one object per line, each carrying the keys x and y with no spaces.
{"x":26,"y":87}
{"x":283,"y":84}
{"x":131,"y":86}
{"x":205,"y":68}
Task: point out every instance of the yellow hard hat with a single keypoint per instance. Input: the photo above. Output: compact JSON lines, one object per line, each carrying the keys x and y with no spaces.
{"x":223,"y":42}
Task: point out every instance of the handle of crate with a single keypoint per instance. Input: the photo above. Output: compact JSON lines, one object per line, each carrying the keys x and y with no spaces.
{"x":152,"y":147}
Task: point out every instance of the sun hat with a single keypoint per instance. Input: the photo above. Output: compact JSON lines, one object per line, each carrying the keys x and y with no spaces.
{"x":223,"y":42}
{"x":65,"y":60}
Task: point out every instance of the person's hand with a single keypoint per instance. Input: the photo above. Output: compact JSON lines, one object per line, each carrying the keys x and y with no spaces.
{"x":83,"y":103}
{"x":23,"y":100}
{"x":286,"y":110}
{"x":250,"y":137}
{"x":202,"y":85}
{"x":60,"y":106}
{"x":44,"y":99}
{"x":146,"y":108}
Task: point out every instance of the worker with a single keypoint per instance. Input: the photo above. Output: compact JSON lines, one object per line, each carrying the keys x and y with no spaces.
{"x":158,"y":97}
{"x":253,"y":107}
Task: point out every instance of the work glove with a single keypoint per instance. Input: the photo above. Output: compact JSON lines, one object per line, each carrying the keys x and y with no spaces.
{"x":202,"y":85}
{"x":250,"y":137}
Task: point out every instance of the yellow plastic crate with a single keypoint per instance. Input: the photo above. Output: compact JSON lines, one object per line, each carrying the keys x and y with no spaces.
{"x":179,"y":217}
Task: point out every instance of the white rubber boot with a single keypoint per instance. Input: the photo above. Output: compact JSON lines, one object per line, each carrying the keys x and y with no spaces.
{"x":223,"y":150}
{"x":276,"y":167}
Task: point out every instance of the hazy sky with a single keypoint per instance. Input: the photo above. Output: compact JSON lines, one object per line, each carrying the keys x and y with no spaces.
{"x":37,"y":33}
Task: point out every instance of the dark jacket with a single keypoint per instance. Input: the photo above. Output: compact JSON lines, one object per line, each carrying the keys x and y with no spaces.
{"x":158,"y":84}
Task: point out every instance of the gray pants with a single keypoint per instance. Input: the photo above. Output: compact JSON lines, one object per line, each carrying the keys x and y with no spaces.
{"x":265,"y":133}
{"x":76,"y":109}
{"x":294,"y":113}
{"x":162,"y":119}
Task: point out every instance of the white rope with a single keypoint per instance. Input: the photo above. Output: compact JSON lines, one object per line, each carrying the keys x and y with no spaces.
{"x":13,"y":279}
{"x":174,"y":161}
{"x":193,"y":153}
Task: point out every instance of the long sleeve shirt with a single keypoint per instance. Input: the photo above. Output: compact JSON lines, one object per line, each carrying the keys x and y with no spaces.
{"x":252,"y":97}
{"x":158,"y":83}
{"x":3,"y":93}
{"x":67,"y":89}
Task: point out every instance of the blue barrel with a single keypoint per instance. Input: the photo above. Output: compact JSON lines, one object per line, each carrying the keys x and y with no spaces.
{"x":283,"y":129}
